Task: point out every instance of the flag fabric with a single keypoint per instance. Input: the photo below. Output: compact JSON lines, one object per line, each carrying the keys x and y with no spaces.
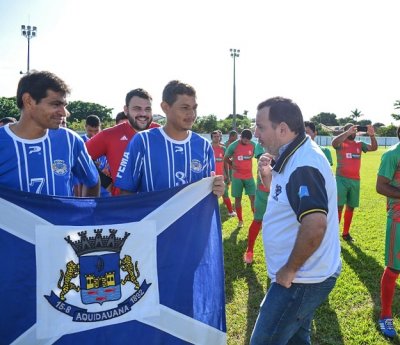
{"x":142,"y":269}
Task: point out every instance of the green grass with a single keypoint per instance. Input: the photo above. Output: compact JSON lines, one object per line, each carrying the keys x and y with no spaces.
{"x":350,"y":315}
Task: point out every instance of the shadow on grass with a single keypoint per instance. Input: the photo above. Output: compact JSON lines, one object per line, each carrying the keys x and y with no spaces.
{"x":236,"y":270}
{"x":369,"y":272}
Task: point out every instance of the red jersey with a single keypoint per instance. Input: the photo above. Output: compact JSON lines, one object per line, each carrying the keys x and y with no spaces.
{"x":242,"y":159}
{"x":112,"y":142}
{"x":219,"y":153}
{"x":349,"y":158}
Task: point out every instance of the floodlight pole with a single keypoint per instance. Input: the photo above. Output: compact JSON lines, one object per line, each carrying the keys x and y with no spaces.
{"x":28,"y":32}
{"x":234,"y":53}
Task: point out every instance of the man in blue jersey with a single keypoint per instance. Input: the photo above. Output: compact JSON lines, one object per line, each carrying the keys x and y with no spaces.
{"x":173,"y":155}
{"x":38,"y":155}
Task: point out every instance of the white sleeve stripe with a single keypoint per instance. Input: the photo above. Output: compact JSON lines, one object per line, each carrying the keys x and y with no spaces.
{"x":50,"y":157}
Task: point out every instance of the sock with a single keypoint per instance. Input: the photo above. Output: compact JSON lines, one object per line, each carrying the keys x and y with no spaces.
{"x":254,"y":229}
{"x":388,"y":285}
{"x":239,"y":213}
{"x":348,"y":216}
{"x":228,"y":204}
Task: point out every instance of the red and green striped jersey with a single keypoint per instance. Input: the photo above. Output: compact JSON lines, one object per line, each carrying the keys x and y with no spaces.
{"x":219,"y":153}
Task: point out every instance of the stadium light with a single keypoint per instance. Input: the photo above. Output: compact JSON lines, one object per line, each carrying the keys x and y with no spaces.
{"x":234,"y":53}
{"x":29,"y":32}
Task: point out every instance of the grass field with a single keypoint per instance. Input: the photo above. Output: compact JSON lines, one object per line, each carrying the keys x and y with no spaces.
{"x":350,"y":315}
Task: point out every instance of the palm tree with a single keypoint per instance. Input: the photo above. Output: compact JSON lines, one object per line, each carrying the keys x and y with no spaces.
{"x":396,"y":106}
{"x":355,"y":114}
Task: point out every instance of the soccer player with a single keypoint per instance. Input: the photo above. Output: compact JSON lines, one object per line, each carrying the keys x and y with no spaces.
{"x":170,"y":156}
{"x":6,"y":120}
{"x":312,"y":133}
{"x":233,"y":135}
{"x":38,"y":155}
{"x":93,"y":127}
{"x":113,"y":141}
{"x":239,"y":156}
{"x":121,"y":117}
{"x":388,"y":184}
{"x":260,"y":205}
{"x":219,"y":153}
{"x":348,"y":152}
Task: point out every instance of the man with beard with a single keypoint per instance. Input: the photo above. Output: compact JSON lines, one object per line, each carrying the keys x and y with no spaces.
{"x":113,"y":141}
{"x":348,"y":153}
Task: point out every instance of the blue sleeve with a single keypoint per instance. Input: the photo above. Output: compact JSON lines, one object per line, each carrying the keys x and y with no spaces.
{"x":211,"y":160}
{"x":130,"y":171}
{"x":84,"y":168}
{"x":306,"y":192}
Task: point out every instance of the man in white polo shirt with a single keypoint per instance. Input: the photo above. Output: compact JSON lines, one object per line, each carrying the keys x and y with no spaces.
{"x":301,"y":240}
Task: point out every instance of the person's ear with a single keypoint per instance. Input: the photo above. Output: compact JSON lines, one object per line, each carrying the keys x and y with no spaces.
{"x":164,"y":107}
{"x":27,"y":100}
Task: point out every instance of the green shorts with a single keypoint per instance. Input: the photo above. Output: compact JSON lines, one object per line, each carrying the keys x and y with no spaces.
{"x":260,"y":204}
{"x":238,"y":185}
{"x":348,"y":191}
{"x":392,"y":244}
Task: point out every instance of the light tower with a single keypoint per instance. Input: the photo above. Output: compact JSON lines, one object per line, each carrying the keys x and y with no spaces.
{"x":28,"y":32}
{"x":234,"y":53}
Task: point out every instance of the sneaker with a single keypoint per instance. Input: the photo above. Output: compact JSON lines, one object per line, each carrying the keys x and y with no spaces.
{"x":248,"y":258}
{"x":232,"y":214}
{"x":348,"y":238}
{"x":386,"y":326}
{"x":240,"y":224}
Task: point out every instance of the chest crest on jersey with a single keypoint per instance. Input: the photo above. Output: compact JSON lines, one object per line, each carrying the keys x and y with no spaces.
{"x":196,"y":166}
{"x":59,"y":167}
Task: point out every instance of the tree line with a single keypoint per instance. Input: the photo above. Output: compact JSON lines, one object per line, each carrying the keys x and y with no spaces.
{"x":79,"y":110}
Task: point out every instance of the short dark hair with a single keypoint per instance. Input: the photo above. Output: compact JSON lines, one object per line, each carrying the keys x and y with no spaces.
{"x":233,"y":134}
{"x":246,"y":134}
{"x":38,"y":83}
{"x":175,"y":88}
{"x":284,"y":110}
{"x":8,"y":119}
{"x":138,"y":93}
{"x":93,"y":121}
{"x":310,"y":125}
{"x":120,"y":116}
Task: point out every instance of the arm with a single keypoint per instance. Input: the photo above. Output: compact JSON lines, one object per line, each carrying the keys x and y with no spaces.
{"x":311,"y":232}
{"x":384,"y":187}
{"x":374,"y":144}
{"x":338,"y":140}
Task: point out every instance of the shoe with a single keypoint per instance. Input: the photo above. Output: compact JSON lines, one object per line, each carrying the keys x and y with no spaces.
{"x":348,"y":238}
{"x":248,"y":258}
{"x":232,"y":214}
{"x":240,"y":224}
{"x":386,"y":326}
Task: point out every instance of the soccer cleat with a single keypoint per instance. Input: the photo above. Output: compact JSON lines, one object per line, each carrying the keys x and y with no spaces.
{"x":240,"y":224}
{"x":248,"y":258}
{"x":348,"y":238}
{"x":232,"y":214}
{"x":386,"y":326}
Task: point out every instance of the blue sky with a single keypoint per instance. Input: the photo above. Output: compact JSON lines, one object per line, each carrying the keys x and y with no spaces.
{"x":328,"y":56}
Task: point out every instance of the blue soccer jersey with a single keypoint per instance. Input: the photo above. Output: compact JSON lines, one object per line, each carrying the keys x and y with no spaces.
{"x":154,"y":161}
{"x":45,"y":165}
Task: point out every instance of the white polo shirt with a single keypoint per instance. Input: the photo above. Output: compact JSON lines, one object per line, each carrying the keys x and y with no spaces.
{"x":302,"y":183}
